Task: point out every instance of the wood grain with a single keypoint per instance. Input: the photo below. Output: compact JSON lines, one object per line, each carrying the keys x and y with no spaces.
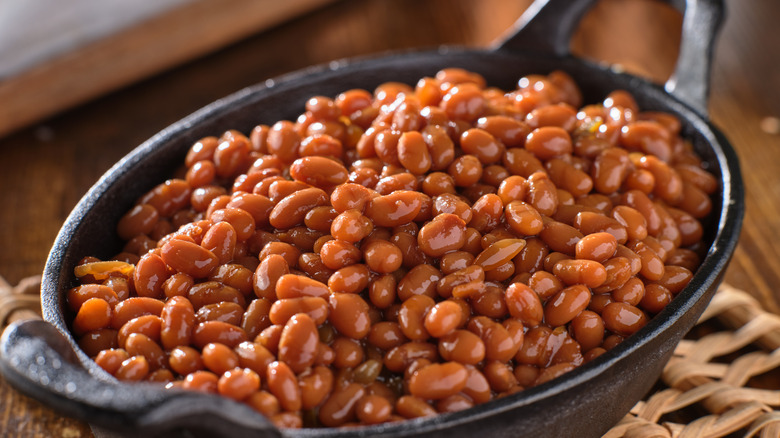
{"x":157,"y":44}
{"x":46,"y":168}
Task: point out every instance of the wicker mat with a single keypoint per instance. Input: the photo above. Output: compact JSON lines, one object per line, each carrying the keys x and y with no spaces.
{"x":723,"y":379}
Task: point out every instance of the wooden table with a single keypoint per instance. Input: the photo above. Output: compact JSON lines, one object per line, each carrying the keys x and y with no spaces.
{"x":46,"y":168}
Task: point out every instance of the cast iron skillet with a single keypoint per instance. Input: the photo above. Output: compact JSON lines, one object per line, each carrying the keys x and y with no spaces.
{"x":41,"y":359}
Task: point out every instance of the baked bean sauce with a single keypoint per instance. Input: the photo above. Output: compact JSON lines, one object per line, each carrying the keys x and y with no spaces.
{"x":396,"y":254}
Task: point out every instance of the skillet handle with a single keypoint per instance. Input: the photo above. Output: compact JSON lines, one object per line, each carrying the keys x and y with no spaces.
{"x":548,"y":25}
{"x":690,"y":81}
{"x":38,"y":360}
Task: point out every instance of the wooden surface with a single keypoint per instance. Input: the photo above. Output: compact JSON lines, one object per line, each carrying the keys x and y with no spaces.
{"x":45,"y":169}
{"x":154,"y":45}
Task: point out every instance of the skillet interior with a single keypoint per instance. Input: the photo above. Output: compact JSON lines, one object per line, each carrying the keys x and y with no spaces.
{"x":597,"y":394}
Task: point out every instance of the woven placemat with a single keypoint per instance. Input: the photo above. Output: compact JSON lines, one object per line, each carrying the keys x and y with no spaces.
{"x":723,"y":379}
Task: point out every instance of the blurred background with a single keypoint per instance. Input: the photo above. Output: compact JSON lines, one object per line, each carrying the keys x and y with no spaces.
{"x":82,"y":85}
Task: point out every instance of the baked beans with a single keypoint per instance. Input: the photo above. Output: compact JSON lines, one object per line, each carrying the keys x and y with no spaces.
{"x":398,"y":253}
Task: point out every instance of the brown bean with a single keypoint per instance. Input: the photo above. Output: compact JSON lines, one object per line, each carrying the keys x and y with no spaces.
{"x":382,"y":256}
{"x":623,"y":319}
{"x":217,"y":331}
{"x":462,"y":346}
{"x":524,"y":304}
{"x":409,"y":406}
{"x":339,"y":408}
{"x":133,"y":369}
{"x":566,"y":304}
{"x":548,"y":142}
{"x":437,"y":381}
{"x":282,"y":310}
{"x":413,"y":153}
{"x":284,"y":386}
{"x":189,"y":258}
{"x":581,"y":271}
{"x":394,"y":209}
{"x":318,"y":171}
{"x":238,"y":383}
{"x":297,"y":286}
{"x":443,"y":318}
{"x":177,"y":322}
{"x":499,"y":253}
{"x":202,"y":381}
{"x":420,"y":280}
{"x":349,"y":315}
{"x":411,"y":316}
{"x":185,"y":360}
{"x":292,"y":209}
{"x":298,"y":343}
{"x":445,"y":233}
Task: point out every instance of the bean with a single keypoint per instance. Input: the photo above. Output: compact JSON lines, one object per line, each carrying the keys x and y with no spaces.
{"x":339,"y":408}
{"x":655,"y":298}
{"x":622,"y":318}
{"x":649,"y":137}
{"x":189,"y":258}
{"x":297,"y":286}
{"x":413,"y":407}
{"x":351,"y":226}
{"x":242,"y":222}
{"x":438,"y":381}
{"x":568,"y":177}
{"x":185,"y":360}
{"x":282,"y":310}
{"x":400,"y":357}
{"x":609,"y":170}
{"x":148,"y":325}
{"x":462,"y":346}
{"x":482,"y":144}
{"x":151,"y":273}
{"x":141,"y":219}
{"x":499,"y":376}
{"x":221,"y":240}
{"x":509,"y":131}
{"x":413,"y":153}
{"x":254,"y":356}
{"x":298,"y":343}
{"x":411,"y":316}
{"x":349,"y":315}
{"x":524,"y":304}
{"x":581,"y":271}
{"x":394,"y":209}
{"x":420,"y":280}
{"x":548,"y":142}
{"x":382,"y":256}
{"x":588,"y":329}
{"x":499,"y":253}
{"x":133,"y":369}
{"x":284,"y":386}
{"x":217,"y":331}
{"x":566,"y":304}
{"x":373,"y":409}
{"x":213,"y":292}
{"x":292,"y":209}
{"x":499,"y":345}
{"x":177,"y":322}
{"x":445,"y":233}
{"x":263,"y":402}
{"x":318,"y":171}
{"x":94,"y":314}
{"x":238,"y":383}
{"x":443,"y":318}
{"x":348,"y":353}
{"x":560,"y":237}
{"x":219,"y":358}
